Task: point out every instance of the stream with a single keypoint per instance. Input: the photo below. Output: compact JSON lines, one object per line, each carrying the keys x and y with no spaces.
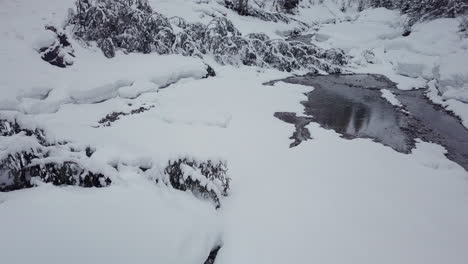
{"x":352,"y":105}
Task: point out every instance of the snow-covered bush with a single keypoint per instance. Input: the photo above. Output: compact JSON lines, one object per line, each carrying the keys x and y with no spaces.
{"x":127,"y":24}
{"x":132,"y":26}
{"x":425,"y":9}
{"x":55,"y":48}
{"x":26,"y":154}
{"x":205,"y":179}
{"x":257,"y":9}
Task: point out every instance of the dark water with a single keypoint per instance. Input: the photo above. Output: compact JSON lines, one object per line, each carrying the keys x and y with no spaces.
{"x":352,"y":105}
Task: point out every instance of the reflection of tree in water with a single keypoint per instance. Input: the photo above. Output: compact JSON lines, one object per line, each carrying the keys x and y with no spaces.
{"x":338,"y":112}
{"x":360,"y":117}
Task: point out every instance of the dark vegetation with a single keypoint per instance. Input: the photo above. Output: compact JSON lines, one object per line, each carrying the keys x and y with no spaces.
{"x":114,"y":116}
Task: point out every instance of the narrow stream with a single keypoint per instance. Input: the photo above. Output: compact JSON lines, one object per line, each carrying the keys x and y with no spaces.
{"x":353,"y":106}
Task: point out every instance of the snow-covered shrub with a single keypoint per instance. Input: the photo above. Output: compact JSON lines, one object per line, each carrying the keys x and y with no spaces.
{"x":289,"y":5}
{"x":132,"y":26}
{"x":425,"y":9}
{"x":127,"y":24}
{"x":55,"y":48}
{"x":205,"y":179}
{"x":26,"y":154}
{"x":254,"y":10}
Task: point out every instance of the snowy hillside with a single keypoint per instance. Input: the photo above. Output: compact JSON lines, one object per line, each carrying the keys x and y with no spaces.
{"x":167,"y":131}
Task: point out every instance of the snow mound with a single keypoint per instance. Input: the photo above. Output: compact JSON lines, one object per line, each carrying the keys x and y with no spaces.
{"x":453,"y":80}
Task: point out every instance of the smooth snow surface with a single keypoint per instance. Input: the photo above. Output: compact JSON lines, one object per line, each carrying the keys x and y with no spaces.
{"x":328,"y":201}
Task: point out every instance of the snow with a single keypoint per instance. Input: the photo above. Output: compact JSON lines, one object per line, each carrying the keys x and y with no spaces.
{"x":412,"y":64}
{"x":390,"y":97}
{"x":454,"y":76}
{"x":329,"y":200}
{"x":120,"y":224}
{"x":45,"y":39}
{"x":367,"y":31}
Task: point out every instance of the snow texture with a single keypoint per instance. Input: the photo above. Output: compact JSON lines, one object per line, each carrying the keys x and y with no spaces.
{"x":328,"y":200}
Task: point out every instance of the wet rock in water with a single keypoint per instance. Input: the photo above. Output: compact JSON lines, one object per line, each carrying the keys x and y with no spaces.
{"x":352,"y":105}
{"x":32,"y":157}
{"x":58,"y":50}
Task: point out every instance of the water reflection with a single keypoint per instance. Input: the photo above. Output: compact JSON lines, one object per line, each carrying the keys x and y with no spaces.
{"x":356,"y":112}
{"x":352,"y":105}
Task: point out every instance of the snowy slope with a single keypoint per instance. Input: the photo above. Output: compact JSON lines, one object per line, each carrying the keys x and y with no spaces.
{"x":329,"y":200}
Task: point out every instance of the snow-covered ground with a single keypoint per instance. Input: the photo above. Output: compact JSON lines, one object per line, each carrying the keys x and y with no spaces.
{"x":329,"y":200}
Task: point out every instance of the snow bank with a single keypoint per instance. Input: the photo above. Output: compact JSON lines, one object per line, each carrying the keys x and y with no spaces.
{"x":413,"y":64}
{"x":453,"y":78}
{"x":366,"y":32}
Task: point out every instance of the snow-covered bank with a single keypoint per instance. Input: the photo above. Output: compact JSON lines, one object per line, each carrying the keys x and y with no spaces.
{"x":329,"y":200}
{"x":434,"y":50}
